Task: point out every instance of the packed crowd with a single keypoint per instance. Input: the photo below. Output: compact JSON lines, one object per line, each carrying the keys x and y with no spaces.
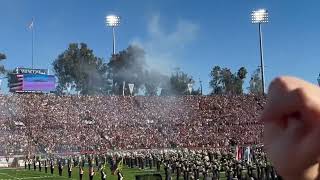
{"x":52,"y":124}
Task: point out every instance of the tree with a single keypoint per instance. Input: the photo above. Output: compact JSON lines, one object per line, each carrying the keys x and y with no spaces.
{"x":153,"y":80}
{"x":216,"y":81}
{"x":228,"y":80}
{"x":225,"y":82}
{"x":178,"y":83}
{"x":255,"y":83}
{"x":2,"y":57}
{"x":239,"y":80}
{"x":128,"y":66}
{"x":79,"y":67}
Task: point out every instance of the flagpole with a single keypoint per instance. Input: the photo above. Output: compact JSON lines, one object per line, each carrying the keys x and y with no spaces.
{"x":32,"y":41}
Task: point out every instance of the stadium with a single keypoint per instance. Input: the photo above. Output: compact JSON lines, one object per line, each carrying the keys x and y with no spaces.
{"x":143,"y":137}
{"x":46,"y":126}
{"x":183,"y":93}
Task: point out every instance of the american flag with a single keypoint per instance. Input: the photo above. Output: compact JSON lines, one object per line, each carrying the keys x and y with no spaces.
{"x":30,"y":26}
{"x":20,"y":77}
{"x":16,"y":86}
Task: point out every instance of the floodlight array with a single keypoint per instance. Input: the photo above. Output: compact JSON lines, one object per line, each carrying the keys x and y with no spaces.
{"x":259,"y":16}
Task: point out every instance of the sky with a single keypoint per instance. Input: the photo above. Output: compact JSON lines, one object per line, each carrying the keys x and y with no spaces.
{"x":191,"y":35}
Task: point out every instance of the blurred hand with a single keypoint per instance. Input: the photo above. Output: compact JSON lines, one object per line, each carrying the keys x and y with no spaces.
{"x":292,"y":128}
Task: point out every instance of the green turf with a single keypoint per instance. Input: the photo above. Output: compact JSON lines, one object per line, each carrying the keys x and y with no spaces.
{"x":21,"y":173}
{"x":128,"y":173}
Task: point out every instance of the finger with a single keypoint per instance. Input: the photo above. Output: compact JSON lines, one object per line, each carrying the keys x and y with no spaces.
{"x":287,"y":83}
{"x":281,"y":106}
{"x":271,"y":132}
{"x":297,"y":103}
{"x":277,"y":89}
{"x":277,"y":138}
{"x":278,"y":98}
{"x":308,"y":151}
{"x":292,"y":133}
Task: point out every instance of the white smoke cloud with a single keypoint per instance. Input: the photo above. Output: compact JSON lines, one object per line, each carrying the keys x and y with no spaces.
{"x":163,"y":48}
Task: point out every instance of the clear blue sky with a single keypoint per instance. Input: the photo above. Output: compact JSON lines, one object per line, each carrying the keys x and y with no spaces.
{"x":192,"y":35}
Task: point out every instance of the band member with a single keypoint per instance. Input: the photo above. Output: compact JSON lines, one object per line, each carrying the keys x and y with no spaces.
{"x":91,"y":173}
{"x":80,"y":172}
{"x":131,"y":161}
{"x":34,"y":164}
{"x":158,"y":164}
{"x":51,"y":166}
{"x":150,"y":162}
{"x":90,"y":161}
{"x":60,"y":167}
{"x":29,"y":164}
{"x":97,"y":161}
{"x":75,"y":162}
{"x":178,"y":170}
{"x":26,"y":162}
{"x":69,"y":169}
{"x":120,"y":176}
{"x":39,"y":165}
{"x":45,"y":166}
{"x":103,"y":174}
{"x":168,"y":171}
{"x":185,"y":172}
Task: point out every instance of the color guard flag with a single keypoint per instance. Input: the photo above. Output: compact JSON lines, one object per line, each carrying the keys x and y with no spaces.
{"x":247,"y":154}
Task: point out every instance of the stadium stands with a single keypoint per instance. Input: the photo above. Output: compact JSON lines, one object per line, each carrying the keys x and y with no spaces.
{"x":49,"y":123}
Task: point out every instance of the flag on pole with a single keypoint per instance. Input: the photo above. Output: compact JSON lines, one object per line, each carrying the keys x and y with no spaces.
{"x":124,"y":84}
{"x":31,"y":24}
{"x":190,"y":87}
{"x":31,"y":28}
{"x":131,"y":86}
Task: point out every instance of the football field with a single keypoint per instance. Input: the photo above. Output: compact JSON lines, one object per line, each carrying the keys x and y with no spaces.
{"x":128,"y":174}
{"x":21,"y":173}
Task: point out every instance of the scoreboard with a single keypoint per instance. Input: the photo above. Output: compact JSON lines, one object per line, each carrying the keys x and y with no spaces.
{"x":31,"y":80}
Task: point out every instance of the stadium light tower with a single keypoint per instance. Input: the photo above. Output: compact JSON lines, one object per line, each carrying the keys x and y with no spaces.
{"x":113,"y":21}
{"x":259,"y":17}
